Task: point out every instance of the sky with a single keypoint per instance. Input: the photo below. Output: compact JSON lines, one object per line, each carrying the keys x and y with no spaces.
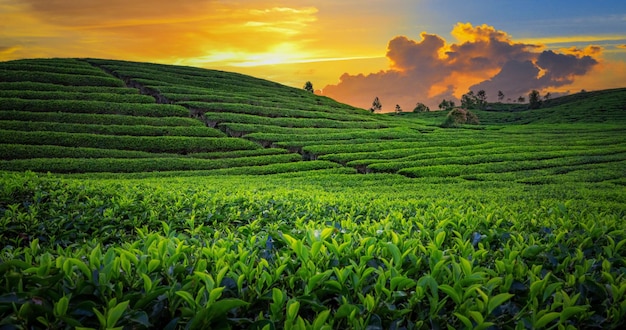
{"x":401,"y":51}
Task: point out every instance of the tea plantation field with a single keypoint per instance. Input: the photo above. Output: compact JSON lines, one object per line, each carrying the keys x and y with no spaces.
{"x":147,"y":196}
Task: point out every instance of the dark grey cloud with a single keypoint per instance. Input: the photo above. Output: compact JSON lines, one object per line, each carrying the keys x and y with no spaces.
{"x":429,"y":70}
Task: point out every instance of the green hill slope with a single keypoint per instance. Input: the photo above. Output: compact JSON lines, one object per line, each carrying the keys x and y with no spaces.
{"x":604,"y":106}
{"x":142,"y":119}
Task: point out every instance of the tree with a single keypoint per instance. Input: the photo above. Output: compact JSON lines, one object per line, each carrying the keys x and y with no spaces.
{"x":398,"y":109}
{"x":500,"y":96}
{"x":547,"y":96}
{"x":521,"y":99}
{"x":376,"y":105}
{"x":308,"y":86}
{"x":468,"y":101}
{"x":446,"y":105}
{"x":421,"y":107}
{"x":481,"y":99}
{"x":534,"y":99}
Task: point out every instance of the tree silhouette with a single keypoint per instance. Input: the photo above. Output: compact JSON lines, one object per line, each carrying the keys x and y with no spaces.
{"x":376,"y":105}
{"x":308,"y":86}
{"x":421,"y":107}
{"x":398,"y":109}
{"x":500,"y":96}
{"x":481,"y":99}
{"x":446,"y":105}
{"x":547,"y":96}
{"x":468,"y":101}
{"x":534,"y":99}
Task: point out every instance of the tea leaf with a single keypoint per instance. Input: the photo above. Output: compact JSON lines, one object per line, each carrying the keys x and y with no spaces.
{"x":466,"y":266}
{"x":60,"y":307}
{"x":215,"y":294}
{"x":320,"y":320}
{"x":477,"y":316}
{"x":395,"y":253}
{"x":570,"y":311}
{"x":292,"y":309}
{"x":115,"y":313}
{"x":497,"y":300}
{"x":221,"y":307}
{"x":451,"y":292}
{"x":147,"y":283}
{"x":545,"y":319}
{"x":101,"y":318}
{"x":326,"y":233}
{"x":439,"y":239}
{"x":187,"y":297}
{"x":531,"y":251}
{"x":277,"y":296}
{"x":466,"y":321}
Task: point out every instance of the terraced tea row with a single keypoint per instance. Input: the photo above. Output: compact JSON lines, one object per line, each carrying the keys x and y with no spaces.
{"x":80,"y":126}
{"x":226,"y":102}
{"x":137,"y":130}
{"x":117,"y":165}
{"x":89,"y":96}
{"x":94,"y":107}
{"x":34,"y":87}
{"x":98,"y":119}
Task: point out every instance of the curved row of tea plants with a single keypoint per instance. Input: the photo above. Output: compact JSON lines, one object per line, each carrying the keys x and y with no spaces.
{"x":89,"y":96}
{"x":49,"y":87}
{"x":137,"y":130}
{"x":98,"y":119}
{"x":140,"y":164}
{"x":175,"y":144}
{"x":94,"y":107}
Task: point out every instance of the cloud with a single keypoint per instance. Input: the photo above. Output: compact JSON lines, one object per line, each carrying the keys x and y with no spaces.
{"x":158,"y":30}
{"x":549,"y":70}
{"x":98,"y":13}
{"x":482,"y":57}
{"x":7,"y":50}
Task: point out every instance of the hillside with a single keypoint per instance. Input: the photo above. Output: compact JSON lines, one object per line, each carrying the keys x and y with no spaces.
{"x":104,"y":116}
{"x":146,"y":196}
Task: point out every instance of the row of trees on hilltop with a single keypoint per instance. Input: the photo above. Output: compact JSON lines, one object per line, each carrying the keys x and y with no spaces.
{"x":377,"y":106}
{"x":469,"y":100}
{"x":478,"y":100}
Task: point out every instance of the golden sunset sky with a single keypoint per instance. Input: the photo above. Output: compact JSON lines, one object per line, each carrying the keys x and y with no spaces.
{"x":402,"y":51}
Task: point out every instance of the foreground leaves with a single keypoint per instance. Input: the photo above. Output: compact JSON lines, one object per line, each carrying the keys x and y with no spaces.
{"x":278,"y":253}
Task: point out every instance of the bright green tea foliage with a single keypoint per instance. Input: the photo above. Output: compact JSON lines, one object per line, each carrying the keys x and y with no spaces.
{"x":94,"y":107}
{"x":88,"y":96}
{"x":59,"y":78}
{"x":314,"y":251}
{"x":135,"y":130}
{"x":97,"y":119}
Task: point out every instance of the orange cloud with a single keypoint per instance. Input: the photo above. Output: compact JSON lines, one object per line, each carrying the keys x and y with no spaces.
{"x":607,"y":74}
{"x":590,"y":50}
{"x":466,"y":33}
{"x":483,"y":58}
{"x":158,"y":31}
